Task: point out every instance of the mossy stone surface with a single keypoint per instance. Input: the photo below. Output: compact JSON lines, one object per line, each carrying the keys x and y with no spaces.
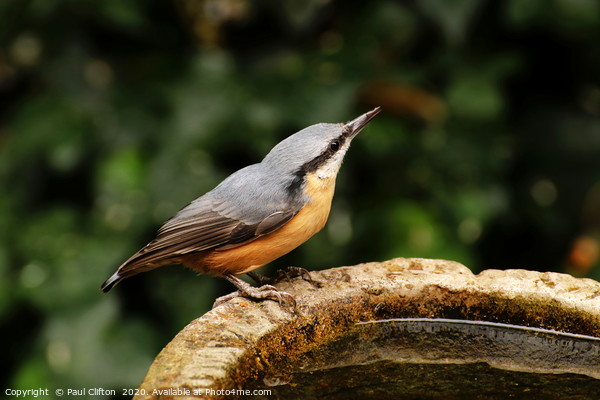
{"x":402,"y":329}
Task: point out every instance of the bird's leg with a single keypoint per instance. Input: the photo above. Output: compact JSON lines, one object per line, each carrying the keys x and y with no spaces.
{"x":260,"y":279}
{"x":301,"y":272}
{"x":263,"y":292}
{"x":287,"y":274}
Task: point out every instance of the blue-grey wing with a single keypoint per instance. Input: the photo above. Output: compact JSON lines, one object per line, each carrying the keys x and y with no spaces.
{"x":241,"y":209}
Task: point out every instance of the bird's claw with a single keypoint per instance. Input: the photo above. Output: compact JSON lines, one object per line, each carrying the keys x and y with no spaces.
{"x":265,"y":292}
{"x":258,"y":293}
{"x":288,"y":274}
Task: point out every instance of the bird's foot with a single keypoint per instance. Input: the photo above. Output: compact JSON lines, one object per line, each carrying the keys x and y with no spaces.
{"x":263,"y":292}
{"x":287,"y":274}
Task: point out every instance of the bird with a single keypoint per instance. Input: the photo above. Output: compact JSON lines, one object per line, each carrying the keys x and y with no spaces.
{"x":255,"y":215}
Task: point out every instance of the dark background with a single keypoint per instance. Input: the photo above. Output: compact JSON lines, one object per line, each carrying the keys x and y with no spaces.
{"x":115,"y":114}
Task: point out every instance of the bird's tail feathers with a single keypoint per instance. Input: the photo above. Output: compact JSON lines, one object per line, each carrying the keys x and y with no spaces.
{"x":110,"y":282}
{"x":139,"y":262}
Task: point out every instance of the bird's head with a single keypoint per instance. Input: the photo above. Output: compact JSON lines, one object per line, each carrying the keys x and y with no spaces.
{"x":318,"y":149}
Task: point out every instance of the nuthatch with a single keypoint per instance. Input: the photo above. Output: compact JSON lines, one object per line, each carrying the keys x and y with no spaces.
{"x":257,"y":214}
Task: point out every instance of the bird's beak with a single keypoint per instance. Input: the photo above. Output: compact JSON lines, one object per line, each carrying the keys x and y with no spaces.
{"x":355,"y":126}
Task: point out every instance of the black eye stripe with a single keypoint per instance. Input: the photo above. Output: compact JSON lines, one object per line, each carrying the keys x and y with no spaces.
{"x":316,"y":162}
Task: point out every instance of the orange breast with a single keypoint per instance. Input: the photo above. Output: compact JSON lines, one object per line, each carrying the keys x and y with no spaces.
{"x":239,"y":260}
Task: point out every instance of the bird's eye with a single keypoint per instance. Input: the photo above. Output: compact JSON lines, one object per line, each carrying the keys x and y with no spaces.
{"x":334,"y":146}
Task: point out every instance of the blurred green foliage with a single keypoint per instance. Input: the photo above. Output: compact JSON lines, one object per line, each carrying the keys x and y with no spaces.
{"x":116,"y":114}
